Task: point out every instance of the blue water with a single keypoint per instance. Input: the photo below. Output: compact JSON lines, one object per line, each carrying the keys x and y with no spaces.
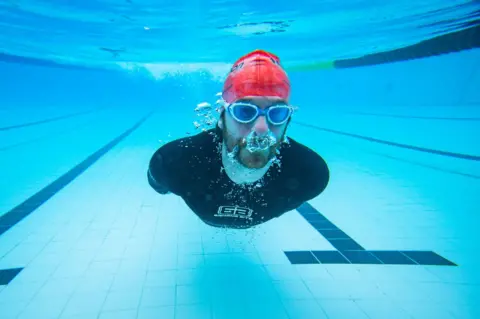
{"x":89,"y":90}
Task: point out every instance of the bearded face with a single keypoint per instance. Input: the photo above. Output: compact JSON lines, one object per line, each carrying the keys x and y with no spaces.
{"x":255,"y":144}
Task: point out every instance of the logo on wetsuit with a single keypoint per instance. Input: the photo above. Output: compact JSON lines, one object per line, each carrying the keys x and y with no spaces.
{"x":235,"y":212}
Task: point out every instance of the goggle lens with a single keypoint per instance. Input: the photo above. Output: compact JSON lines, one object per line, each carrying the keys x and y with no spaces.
{"x":246,"y":113}
{"x":279,"y":114}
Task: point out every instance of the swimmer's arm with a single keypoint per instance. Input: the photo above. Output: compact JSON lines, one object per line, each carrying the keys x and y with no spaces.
{"x":157,"y":175}
{"x":317,"y":179}
{"x":157,"y":186}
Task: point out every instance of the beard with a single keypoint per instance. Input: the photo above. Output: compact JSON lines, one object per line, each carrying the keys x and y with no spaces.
{"x":252,"y":152}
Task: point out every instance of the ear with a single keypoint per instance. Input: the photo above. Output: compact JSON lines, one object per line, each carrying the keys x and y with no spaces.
{"x":222,"y":116}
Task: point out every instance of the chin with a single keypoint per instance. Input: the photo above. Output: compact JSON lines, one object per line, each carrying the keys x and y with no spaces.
{"x":254,"y":160}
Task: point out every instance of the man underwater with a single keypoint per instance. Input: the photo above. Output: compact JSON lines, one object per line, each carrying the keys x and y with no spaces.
{"x":245,"y":171}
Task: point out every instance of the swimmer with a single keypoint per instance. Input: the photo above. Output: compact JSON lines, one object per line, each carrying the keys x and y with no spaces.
{"x":245,"y":171}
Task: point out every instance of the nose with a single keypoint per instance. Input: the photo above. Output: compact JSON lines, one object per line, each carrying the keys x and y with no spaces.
{"x":261,"y":126}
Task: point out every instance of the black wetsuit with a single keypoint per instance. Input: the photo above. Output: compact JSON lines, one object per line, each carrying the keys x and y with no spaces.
{"x":192,"y":168}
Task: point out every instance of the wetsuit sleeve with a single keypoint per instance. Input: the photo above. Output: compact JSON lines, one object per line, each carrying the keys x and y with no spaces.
{"x":316,"y":175}
{"x":317,"y":178}
{"x":157,"y":174}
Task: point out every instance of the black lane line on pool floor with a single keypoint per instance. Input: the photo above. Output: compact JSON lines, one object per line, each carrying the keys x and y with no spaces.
{"x":16,"y":214}
{"x":45,"y":121}
{"x":350,"y":252}
{"x":7,"y":275}
{"x":399,"y":145}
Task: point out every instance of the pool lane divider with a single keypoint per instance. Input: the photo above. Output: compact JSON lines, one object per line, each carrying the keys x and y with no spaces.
{"x":467,"y":37}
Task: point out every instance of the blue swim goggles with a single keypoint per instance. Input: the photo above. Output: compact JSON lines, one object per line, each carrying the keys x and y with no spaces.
{"x":245,"y":113}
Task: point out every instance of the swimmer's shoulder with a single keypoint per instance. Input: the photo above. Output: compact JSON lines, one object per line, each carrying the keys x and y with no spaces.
{"x":172,"y":164}
{"x":182,"y":149}
{"x":307,"y":165}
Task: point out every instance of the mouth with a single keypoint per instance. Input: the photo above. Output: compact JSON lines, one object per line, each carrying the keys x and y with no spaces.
{"x":254,"y":143}
{"x":253,"y":151}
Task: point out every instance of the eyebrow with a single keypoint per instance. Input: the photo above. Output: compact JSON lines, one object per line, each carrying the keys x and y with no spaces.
{"x":245,"y":100}
{"x":269,"y":104}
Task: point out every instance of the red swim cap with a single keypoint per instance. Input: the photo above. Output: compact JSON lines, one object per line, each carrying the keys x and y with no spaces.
{"x":257,"y":73}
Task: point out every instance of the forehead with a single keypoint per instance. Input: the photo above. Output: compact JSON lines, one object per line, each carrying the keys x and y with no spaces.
{"x":262,"y":101}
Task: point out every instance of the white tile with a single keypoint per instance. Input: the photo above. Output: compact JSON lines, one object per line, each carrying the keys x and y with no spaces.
{"x":137,"y":249}
{"x":450,"y":293}
{"x":158,"y":297}
{"x":229,"y":310}
{"x":343,"y":272}
{"x":190,"y":248}
{"x":161,"y":278}
{"x":239,"y":245}
{"x":71,"y":268}
{"x":200,"y":311}
{"x":266,"y":309}
{"x":128,"y":266}
{"x":362,"y":289}
{"x":464,"y":310}
{"x":311,"y":272}
{"x":85,"y":303}
{"x":189,"y":237}
{"x":342,"y":309}
{"x":88,"y":244}
{"x":300,"y":309}
{"x":47,"y":259}
{"x":273,"y":257}
{"x":19,"y":291}
{"x":94,"y":282}
{"x":35,"y":273}
{"x":328,"y":289}
{"x":380,"y":274}
{"x":163,"y":261}
{"x":122,"y":300}
{"x":128,"y":280}
{"x":416,"y":274}
{"x":166,"y":312}
{"x":123,"y":314}
{"x":282,"y":272}
{"x":110,"y":252}
{"x":231,"y":294}
{"x":106,"y":267}
{"x":45,"y":306}
{"x":192,"y":294}
{"x":12,"y":310}
{"x":21,"y":255}
{"x":404,"y":291}
{"x":218,"y":260}
{"x":461,"y":275}
{"x":382,"y":308}
{"x":197,"y":276}
{"x":261,"y":293}
{"x":91,"y":315}
{"x":293,"y":289}
{"x":190,"y":261}
{"x":59,"y":248}
{"x":420,"y":310}
{"x":219,"y":246}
